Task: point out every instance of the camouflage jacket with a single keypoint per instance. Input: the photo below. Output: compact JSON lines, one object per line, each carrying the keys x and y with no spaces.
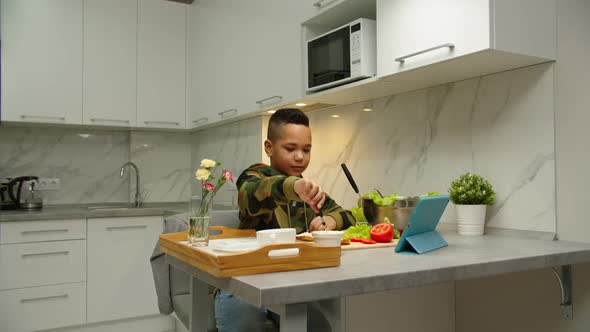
{"x":267,"y":199}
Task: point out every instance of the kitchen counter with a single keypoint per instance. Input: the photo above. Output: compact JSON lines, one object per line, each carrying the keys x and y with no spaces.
{"x":377,"y":270}
{"x":73,"y":211}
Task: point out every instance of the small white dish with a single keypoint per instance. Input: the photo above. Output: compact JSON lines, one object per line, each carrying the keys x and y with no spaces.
{"x":234,"y":245}
{"x":277,"y":235}
{"x":327,"y":238}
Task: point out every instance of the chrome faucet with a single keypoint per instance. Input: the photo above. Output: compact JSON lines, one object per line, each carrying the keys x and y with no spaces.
{"x":138,"y":198}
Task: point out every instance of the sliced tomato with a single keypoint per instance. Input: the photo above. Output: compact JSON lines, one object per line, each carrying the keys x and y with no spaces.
{"x":366,"y":241}
{"x":356,"y":239}
{"x":382,"y":232}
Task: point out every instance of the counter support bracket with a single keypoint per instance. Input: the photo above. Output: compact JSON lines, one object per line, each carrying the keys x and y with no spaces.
{"x":563,"y":274}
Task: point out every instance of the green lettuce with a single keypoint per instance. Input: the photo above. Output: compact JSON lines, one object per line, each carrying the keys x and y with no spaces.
{"x":361,"y":231}
{"x":357,"y":213}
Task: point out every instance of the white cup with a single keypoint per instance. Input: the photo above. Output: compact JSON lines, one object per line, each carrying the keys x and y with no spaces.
{"x":278,"y":235}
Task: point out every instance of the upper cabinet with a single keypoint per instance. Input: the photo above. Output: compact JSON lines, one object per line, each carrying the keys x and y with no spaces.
{"x":110,"y":55}
{"x":161,"y":64}
{"x":422,"y":43}
{"x":501,"y":33}
{"x":42,"y":61}
{"x":243,"y":56}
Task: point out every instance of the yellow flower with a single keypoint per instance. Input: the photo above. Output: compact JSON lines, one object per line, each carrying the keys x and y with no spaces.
{"x":208,"y":163}
{"x":202,"y":174}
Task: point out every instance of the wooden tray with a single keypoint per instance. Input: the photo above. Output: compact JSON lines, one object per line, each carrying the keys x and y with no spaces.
{"x":256,"y":261}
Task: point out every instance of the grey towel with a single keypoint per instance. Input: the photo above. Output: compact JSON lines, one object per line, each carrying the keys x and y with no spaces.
{"x":170,"y":281}
{"x":161,"y":270}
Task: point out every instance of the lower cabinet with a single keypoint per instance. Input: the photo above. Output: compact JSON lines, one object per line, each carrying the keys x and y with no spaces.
{"x":44,"y":307}
{"x":120,"y":282}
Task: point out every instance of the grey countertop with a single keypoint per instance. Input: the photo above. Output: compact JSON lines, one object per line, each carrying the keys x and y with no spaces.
{"x":73,"y":211}
{"x":381,"y":269}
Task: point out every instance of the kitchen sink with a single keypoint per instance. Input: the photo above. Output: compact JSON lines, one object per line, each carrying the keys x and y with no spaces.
{"x":110,"y":208}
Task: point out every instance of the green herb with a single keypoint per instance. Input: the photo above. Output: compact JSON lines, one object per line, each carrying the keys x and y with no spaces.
{"x":381,"y":201}
{"x":362,"y":231}
{"x":357,"y":213}
{"x":472,"y":189}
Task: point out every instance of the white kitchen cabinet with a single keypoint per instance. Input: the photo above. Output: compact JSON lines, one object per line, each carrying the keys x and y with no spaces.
{"x":43,"y":278}
{"x":120,"y":282}
{"x":42,"y":263}
{"x":161,"y":64}
{"x":110,"y":62}
{"x":244,"y":56}
{"x":42,"y":230}
{"x":501,"y":34}
{"x":42,"y":61}
{"x":40,"y":308}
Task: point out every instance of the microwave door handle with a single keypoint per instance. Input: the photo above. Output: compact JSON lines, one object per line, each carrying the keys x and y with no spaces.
{"x":401,"y":59}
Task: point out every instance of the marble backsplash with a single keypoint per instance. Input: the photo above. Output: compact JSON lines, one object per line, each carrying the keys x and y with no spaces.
{"x":237,"y":146}
{"x":88,"y":163}
{"x":500,"y":126}
{"x":164,"y":161}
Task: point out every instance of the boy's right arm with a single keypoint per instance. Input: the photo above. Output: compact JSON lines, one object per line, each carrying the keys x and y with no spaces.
{"x":259,"y":195}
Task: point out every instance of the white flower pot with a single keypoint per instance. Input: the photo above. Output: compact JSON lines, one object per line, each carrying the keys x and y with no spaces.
{"x":471,"y":219}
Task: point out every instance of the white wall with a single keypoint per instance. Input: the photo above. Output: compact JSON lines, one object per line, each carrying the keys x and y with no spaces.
{"x":530,"y":301}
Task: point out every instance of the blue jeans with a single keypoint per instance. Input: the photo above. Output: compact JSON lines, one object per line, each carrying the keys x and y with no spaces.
{"x":235,"y":315}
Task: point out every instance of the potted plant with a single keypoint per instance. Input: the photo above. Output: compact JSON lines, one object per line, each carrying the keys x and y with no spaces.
{"x":471,"y":194}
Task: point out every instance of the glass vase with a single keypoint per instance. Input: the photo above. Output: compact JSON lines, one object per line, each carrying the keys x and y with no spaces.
{"x":198,"y":231}
{"x":199,"y":223}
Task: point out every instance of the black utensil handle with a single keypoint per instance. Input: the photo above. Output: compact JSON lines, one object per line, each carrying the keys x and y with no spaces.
{"x":349,"y":177}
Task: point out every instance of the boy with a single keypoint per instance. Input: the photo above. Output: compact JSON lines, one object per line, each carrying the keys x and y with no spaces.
{"x":276,"y":196}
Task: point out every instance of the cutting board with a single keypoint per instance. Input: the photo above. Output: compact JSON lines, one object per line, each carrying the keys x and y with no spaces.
{"x":359,"y":245}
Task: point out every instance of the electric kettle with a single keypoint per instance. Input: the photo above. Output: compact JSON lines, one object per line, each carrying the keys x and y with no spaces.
{"x":23,"y":193}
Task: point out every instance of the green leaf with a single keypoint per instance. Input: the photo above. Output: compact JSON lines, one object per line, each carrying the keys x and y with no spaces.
{"x":362,"y":231}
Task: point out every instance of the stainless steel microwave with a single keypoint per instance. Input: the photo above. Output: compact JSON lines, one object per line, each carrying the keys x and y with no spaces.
{"x":342,"y":55}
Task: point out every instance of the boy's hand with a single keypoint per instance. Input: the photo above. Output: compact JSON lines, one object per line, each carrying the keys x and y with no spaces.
{"x":316,"y":224}
{"x":310,"y":192}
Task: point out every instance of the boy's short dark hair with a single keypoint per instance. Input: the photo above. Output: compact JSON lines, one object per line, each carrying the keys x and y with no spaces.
{"x":285,"y":116}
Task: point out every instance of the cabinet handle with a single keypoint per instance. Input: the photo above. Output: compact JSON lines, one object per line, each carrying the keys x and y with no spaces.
{"x":201,"y":119}
{"x":403,"y":58}
{"x":46,"y":253}
{"x":126,"y":227}
{"x":62,"y":296}
{"x":321,"y":4}
{"x":46,"y":117}
{"x":261,"y":101}
{"x":108,"y":120}
{"x":234,"y":110}
{"x":45,"y":231}
{"x":162,"y":122}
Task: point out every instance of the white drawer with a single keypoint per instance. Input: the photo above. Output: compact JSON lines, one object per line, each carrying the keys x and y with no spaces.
{"x":44,"y":307}
{"x":42,"y":263}
{"x":42,"y":230}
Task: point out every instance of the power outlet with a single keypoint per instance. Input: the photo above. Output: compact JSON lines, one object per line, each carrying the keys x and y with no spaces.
{"x":48,"y":184}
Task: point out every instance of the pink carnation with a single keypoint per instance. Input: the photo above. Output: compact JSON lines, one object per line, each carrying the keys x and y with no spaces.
{"x":207,"y":185}
{"x":227,"y":174}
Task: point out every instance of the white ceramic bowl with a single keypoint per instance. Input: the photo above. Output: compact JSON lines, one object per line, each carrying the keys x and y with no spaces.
{"x":327,"y":238}
{"x":278,"y":235}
